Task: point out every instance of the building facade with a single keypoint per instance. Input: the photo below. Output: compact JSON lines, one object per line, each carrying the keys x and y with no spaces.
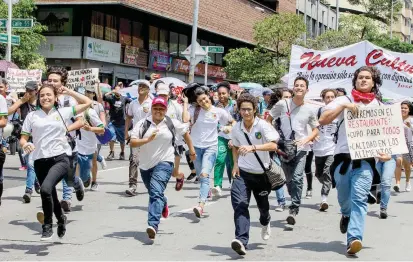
{"x":128,"y":39}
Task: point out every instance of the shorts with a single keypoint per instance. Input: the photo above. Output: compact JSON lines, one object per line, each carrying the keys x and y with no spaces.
{"x":119,"y":132}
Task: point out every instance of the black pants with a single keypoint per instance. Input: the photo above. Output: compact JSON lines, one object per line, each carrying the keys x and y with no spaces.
{"x":189,"y":161}
{"x":308,"y":171}
{"x":2,"y":160}
{"x":240,"y":198}
{"x":50,"y":171}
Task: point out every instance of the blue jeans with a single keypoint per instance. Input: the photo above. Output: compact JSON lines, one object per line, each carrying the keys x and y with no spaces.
{"x":386,"y":170}
{"x":67,"y":191}
{"x":99,"y":158}
{"x":295,"y":179}
{"x":280,"y":196}
{"x":155,"y":180}
{"x":352,"y":190}
{"x":85,"y":165}
{"x":118,"y":131}
{"x":31,"y":175}
{"x":204,"y":163}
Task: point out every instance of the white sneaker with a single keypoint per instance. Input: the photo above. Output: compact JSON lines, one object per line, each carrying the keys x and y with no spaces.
{"x":216,"y":191}
{"x":408,"y":187}
{"x":238,"y":247}
{"x":266,"y":232}
{"x":280,"y":208}
{"x":103,"y":164}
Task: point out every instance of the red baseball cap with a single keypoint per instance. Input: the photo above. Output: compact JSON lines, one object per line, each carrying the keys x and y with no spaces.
{"x":160,"y":101}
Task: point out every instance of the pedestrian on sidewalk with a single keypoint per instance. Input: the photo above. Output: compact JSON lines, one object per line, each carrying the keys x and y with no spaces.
{"x":57,"y":76}
{"x":205,"y":119}
{"x":252,"y":138}
{"x":156,"y":136}
{"x":51,"y":150}
{"x":137,"y":110}
{"x":292,"y":118}
{"x":353,"y":177}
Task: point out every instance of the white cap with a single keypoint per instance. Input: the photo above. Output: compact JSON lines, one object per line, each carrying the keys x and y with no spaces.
{"x":144,"y":82}
{"x":163,"y":89}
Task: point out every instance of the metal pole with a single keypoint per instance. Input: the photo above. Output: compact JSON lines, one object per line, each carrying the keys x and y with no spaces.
{"x":305,"y":21}
{"x":328,"y":16}
{"x":317,"y":29}
{"x":297,"y":3}
{"x":337,"y":14}
{"x":8,"y":55}
{"x":206,"y":70}
{"x":194,"y":32}
{"x":391,"y":20}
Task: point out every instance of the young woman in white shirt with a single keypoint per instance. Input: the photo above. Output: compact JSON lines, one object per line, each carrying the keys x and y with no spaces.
{"x":405,"y":160}
{"x":50,"y":149}
{"x":204,"y":133}
{"x":353,"y":177}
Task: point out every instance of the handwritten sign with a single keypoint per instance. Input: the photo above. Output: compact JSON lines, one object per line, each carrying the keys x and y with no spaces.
{"x":17,"y":78}
{"x":83,"y":77}
{"x":375,"y":130}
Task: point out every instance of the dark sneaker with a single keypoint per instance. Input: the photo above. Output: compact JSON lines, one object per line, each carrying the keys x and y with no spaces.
{"x":291,"y":218}
{"x":87,"y":183}
{"x":397,"y":188}
{"x":47,"y":233}
{"x":198,"y":211}
{"x":196,"y":180}
{"x":122,"y":156}
{"x":165,"y":211}
{"x":383,"y":213}
{"x":151,"y":233}
{"x":131,"y":191}
{"x":27,"y":196}
{"x":61,"y":227}
{"x":354,"y":247}
{"x":378,"y":197}
{"x":111,"y":156}
{"x":95,"y":186}
{"x":191,"y":176}
{"x":323,"y":206}
{"x":238,"y":247}
{"x":37,"y":187}
{"x":179,"y":182}
{"x":40,"y":217}
{"x":344,"y":224}
{"x":66,"y":205}
{"x":371,"y":199}
{"x":80,"y":192}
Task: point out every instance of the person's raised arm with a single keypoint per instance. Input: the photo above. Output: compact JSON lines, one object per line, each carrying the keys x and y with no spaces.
{"x":83,"y":101}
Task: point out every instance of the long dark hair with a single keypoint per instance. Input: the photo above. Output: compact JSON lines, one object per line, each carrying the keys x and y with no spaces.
{"x":46,"y":85}
{"x":375,"y":74}
{"x":274,"y":98}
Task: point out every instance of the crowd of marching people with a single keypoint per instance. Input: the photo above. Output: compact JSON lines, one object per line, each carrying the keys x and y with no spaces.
{"x":262,"y":143}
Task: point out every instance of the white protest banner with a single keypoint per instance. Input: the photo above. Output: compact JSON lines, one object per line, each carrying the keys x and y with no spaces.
{"x":17,"y":78}
{"x":335,"y":68}
{"x":375,"y":130}
{"x":82,"y":77}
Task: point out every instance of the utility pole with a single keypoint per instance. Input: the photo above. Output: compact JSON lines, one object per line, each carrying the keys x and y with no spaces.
{"x":337,"y":13}
{"x":317,"y":29}
{"x":391,"y":19}
{"x":193,"y":40}
{"x":10,"y":13}
{"x":305,"y":21}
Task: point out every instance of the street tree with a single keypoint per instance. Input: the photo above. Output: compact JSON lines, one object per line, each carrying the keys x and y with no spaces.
{"x":379,"y":9}
{"x":25,"y":55}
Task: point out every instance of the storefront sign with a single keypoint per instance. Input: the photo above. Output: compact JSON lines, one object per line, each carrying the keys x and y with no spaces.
{"x":335,"y":68}
{"x":375,"y":130}
{"x":160,"y":61}
{"x":17,"y":78}
{"x":182,"y":66}
{"x":83,"y":77}
{"x":131,"y":55}
{"x":100,"y":50}
{"x":58,"y":20}
{"x":62,"y":47}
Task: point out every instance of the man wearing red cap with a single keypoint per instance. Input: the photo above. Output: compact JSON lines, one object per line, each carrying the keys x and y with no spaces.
{"x":155,"y":135}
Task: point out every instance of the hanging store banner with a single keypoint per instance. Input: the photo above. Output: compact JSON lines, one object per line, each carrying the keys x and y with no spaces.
{"x":160,"y":61}
{"x":335,"y":68}
{"x":182,"y":66}
{"x":131,"y":55}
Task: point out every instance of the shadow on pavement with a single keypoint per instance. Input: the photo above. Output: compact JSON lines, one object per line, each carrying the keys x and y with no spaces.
{"x":405,"y":202}
{"x":34,"y":226}
{"x":140,"y":236}
{"x":274,"y":223}
{"x":38,"y":250}
{"x":227,"y":251}
{"x":143,"y":208}
{"x":123,"y":194}
{"x":334,"y":246}
{"x":16,"y":198}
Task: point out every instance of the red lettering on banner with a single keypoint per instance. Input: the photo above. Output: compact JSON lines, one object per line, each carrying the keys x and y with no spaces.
{"x":376,"y":57}
{"x":312,"y":61}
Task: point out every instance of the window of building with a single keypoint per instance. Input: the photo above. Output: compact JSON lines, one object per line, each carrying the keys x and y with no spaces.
{"x":163,"y":41}
{"x":153,"y":38}
{"x":269,"y":4}
{"x":125,"y":31}
{"x":408,"y":4}
{"x":137,"y":37}
{"x":173,"y":43}
{"x":183,"y":43}
{"x":218,"y":59}
{"x":98,"y":23}
{"x":111,"y":32}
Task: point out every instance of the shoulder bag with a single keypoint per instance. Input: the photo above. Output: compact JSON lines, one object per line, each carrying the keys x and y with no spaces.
{"x":287,"y":148}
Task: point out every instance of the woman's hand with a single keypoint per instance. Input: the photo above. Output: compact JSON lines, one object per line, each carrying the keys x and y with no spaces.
{"x":28,"y":148}
{"x":243,"y":150}
{"x":352,"y":107}
{"x":235,"y":171}
{"x":384,"y":157}
{"x":302,"y":142}
{"x":63,"y":90}
{"x":230,"y":145}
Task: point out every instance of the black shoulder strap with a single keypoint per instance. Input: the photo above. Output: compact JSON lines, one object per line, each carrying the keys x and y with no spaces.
{"x":146,"y":126}
{"x":255,"y":153}
{"x":171,"y":128}
{"x":319,"y":113}
{"x":292,"y":136}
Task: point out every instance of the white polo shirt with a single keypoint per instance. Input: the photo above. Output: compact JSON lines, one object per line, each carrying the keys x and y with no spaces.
{"x":139,"y":111}
{"x":3,"y":111}
{"x":160,"y":149}
{"x":87,"y":145}
{"x":261,"y":133}
{"x":48,"y":132}
{"x":68,"y":102}
{"x":175,"y":111}
{"x":325,"y":145}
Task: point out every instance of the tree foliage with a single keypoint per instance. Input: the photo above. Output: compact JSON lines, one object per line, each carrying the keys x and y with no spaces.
{"x":394,"y":44}
{"x":25,"y":55}
{"x":379,"y":9}
{"x":268,"y":62}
